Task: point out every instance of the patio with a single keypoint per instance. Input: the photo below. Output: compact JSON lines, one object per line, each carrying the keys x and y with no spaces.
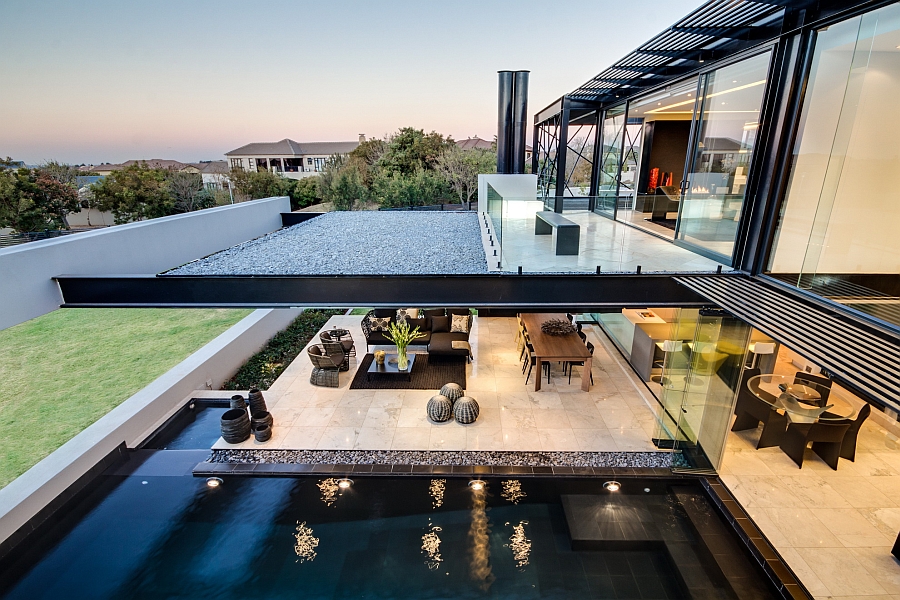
{"x":614,"y":416}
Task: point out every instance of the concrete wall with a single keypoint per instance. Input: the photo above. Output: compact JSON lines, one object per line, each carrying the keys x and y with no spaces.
{"x":137,"y":417}
{"x":26,"y":287}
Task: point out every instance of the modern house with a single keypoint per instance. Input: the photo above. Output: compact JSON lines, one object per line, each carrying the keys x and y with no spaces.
{"x":292,"y":159}
{"x":726,"y":292}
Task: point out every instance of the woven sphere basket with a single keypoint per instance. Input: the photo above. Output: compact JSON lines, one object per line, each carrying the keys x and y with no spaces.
{"x":453,"y":391}
{"x":466,"y":410}
{"x":440,"y":408}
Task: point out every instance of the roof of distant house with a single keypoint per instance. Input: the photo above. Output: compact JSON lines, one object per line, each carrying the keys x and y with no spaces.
{"x":480,"y":144}
{"x":287,"y":147}
{"x":153,"y":163}
{"x":211,"y":166}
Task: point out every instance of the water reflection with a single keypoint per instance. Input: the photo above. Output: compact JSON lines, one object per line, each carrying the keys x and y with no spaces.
{"x":512,"y":491}
{"x":329,"y":488}
{"x":520,"y":544}
{"x":431,"y":545}
{"x":436,"y":489}
{"x":306,"y":543}
{"x":479,"y":534}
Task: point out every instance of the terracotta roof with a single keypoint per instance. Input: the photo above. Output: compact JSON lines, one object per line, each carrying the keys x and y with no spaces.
{"x":291,"y":148}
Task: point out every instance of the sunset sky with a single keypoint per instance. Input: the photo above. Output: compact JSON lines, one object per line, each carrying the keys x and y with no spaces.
{"x":107,"y":81}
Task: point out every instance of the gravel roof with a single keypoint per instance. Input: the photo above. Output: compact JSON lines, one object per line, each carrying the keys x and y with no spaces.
{"x":357,"y":243}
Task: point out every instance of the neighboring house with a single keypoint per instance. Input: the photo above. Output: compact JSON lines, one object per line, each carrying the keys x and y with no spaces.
{"x":154,"y":163}
{"x":292,"y":159}
{"x":214,"y":174}
{"x":476,"y":143}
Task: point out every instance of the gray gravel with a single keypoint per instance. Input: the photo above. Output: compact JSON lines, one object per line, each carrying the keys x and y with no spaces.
{"x":357,"y":243}
{"x":430,"y":457}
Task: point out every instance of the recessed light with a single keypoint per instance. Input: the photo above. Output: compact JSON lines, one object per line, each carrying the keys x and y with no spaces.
{"x":214,"y":482}
{"x":647,"y":490}
{"x":477,"y":485}
{"x":345,"y":484}
{"x":612,"y":486}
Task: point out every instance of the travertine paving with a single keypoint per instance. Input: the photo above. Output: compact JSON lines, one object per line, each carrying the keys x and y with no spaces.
{"x":613,"y":416}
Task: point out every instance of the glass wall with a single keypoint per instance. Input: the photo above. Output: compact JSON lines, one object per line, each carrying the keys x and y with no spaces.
{"x":837,"y":233}
{"x":656,"y":144}
{"x":723,"y":149}
{"x":610,"y":161}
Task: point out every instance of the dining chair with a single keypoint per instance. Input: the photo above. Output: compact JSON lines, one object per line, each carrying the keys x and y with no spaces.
{"x":848,"y":444}
{"x":751,"y":411}
{"x":570,"y":364}
{"x":532,"y":360}
{"x":818,"y":380}
{"x":827,"y":438}
{"x":583,"y":336}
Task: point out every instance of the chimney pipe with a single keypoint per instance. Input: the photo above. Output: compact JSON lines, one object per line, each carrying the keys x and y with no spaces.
{"x":504,"y":121}
{"x":362,"y":138}
{"x":520,"y":116}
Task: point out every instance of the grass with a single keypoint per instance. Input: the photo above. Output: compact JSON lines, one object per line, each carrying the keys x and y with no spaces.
{"x":360,"y":311}
{"x":264,"y":367}
{"x":64,"y":370}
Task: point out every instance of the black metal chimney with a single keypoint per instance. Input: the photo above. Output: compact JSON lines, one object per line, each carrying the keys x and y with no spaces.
{"x":520,"y":115}
{"x":505,"y":122}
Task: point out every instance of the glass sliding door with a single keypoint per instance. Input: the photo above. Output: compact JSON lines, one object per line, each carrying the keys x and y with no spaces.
{"x":837,"y":231}
{"x":610,"y":161}
{"x":725,"y":139}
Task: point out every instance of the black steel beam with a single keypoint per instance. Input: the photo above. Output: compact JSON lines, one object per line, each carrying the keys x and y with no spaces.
{"x":578,"y":291}
{"x":295,"y":218}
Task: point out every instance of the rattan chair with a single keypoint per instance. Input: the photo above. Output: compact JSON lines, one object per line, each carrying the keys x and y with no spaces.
{"x":346,"y":341}
{"x":326,"y":365}
{"x":334,"y":347}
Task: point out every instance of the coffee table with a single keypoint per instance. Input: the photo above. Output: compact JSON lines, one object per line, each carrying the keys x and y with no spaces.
{"x":390,"y":368}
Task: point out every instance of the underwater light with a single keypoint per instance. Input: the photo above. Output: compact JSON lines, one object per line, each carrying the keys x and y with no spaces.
{"x":477,"y":485}
{"x":344,"y":484}
{"x":612,"y":486}
{"x":214,"y":482}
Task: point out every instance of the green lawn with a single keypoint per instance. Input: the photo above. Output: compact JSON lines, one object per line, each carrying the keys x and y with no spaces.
{"x":64,"y":370}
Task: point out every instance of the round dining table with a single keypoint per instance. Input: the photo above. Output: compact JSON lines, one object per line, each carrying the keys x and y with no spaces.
{"x":802,"y":401}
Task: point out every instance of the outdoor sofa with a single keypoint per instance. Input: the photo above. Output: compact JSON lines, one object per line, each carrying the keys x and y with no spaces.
{"x":435,"y":323}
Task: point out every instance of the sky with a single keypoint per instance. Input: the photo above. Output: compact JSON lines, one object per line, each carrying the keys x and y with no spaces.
{"x":107,"y":81}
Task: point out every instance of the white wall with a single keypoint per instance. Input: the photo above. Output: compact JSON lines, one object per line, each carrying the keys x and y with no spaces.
{"x":139,"y":416}
{"x":146,"y":247}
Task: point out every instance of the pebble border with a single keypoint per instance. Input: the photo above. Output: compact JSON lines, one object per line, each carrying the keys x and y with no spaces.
{"x":454,"y":458}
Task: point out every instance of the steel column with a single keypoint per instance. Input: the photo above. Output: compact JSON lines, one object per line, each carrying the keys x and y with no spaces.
{"x":562,"y":147}
{"x":519,"y":122}
{"x":504,"y":121}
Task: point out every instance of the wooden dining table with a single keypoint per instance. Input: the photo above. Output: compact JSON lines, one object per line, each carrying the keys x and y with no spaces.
{"x":548,"y":348}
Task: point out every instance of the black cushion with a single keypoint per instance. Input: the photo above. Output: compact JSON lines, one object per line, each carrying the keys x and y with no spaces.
{"x":378,"y":338}
{"x":458,"y":311}
{"x":430,"y":314}
{"x":385,"y":312}
{"x":420,"y":323}
{"x":442,"y":343}
{"x":440,"y":324}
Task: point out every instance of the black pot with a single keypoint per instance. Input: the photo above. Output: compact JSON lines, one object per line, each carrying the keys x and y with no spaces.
{"x":263,"y":433}
{"x":262,"y":417}
{"x":235,"y":425}
{"x":257,"y":402}
{"x":237,"y":401}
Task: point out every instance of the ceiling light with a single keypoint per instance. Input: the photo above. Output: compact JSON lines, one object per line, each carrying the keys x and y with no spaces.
{"x":647,"y":490}
{"x":612,"y":486}
{"x":477,"y":485}
{"x":213,"y":482}
{"x":345,"y":484}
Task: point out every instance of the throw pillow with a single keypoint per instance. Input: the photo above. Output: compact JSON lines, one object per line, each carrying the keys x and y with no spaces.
{"x":458,"y":311}
{"x":413,"y":323}
{"x":379,"y":323}
{"x":440,"y":324}
{"x":460,"y":324}
{"x":407,"y":313}
{"x":384,"y":312}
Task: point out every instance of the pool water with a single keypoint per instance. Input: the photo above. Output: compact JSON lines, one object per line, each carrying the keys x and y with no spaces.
{"x":149,"y":529}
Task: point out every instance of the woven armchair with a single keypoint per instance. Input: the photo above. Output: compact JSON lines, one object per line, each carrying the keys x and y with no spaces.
{"x":326,"y":365}
{"x":345,"y":340}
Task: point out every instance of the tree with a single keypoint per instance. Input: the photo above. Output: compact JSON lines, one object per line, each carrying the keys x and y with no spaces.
{"x":135,"y":193}
{"x":410,"y":150}
{"x":306,"y":191}
{"x":365,"y":158}
{"x":31,"y":200}
{"x":340,"y":183}
{"x":188,"y":192}
{"x":461,"y":168}
{"x":253,"y":185}
{"x":423,"y":188}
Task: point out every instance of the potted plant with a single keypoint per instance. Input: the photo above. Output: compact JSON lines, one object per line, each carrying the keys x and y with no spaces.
{"x":402,"y":336}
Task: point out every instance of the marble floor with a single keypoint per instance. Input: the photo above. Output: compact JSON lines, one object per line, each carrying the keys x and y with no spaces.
{"x":614,"y":416}
{"x":615,"y":247}
{"x":834,"y":528}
